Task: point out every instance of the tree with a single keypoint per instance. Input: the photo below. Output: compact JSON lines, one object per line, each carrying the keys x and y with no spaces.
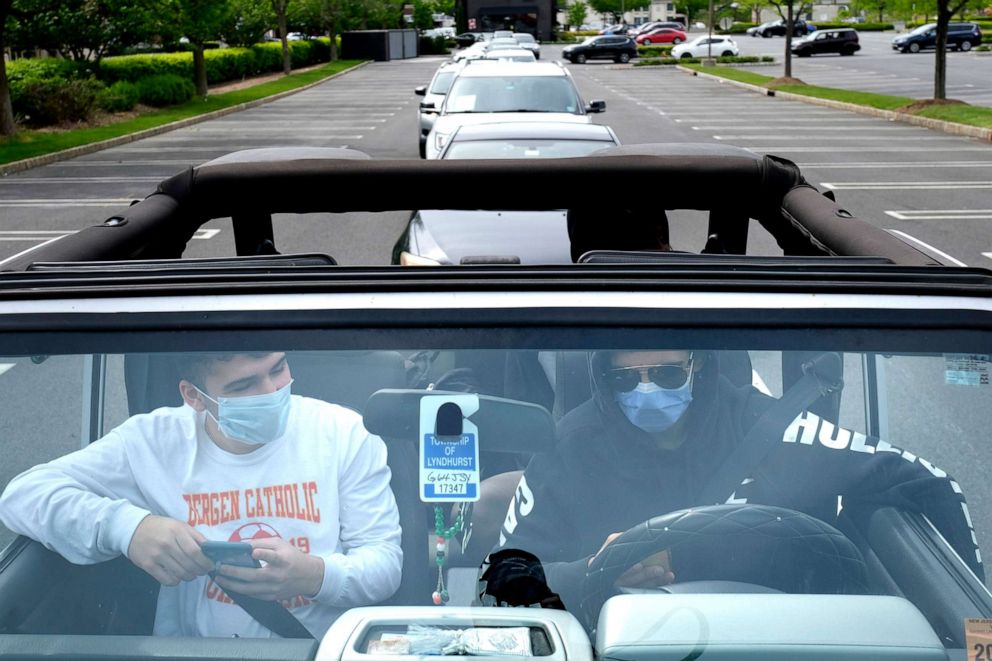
{"x":7,"y":125}
{"x":787,"y":10}
{"x":200,"y":21}
{"x":86,"y":30}
{"x":248,"y":22}
{"x":576,"y":13}
{"x":423,"y":14}
{"x":753,"y":7}
{"x":691,"y":8}
{"x":280,"y":7}
{"x":617,"y":8}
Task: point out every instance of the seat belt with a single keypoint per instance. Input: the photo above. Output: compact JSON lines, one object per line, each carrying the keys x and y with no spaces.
{"x":821,"y":376}
{"x":272,"y":615}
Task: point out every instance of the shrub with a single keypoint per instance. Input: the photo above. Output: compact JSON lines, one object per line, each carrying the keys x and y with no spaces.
{"x":860,"y":27}
{"x":433,"y":46}
{"x":135,"y":67}
{"x":119,"y":97}
{"x":44,"y":69}
{"x":56,"y":100}
{"x":165,"y":90}
{"x":654,"y":51}
{"x":650,"y":62}
{"x":738,"y":28}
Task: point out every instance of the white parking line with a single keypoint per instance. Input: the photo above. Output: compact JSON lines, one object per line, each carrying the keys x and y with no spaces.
{"x":45,"y":235}
{"x":893,"y":164}
{"x":941,"y":214}
{"x":869,"y":150}
{"x":908,"y":185}
{"x":78,"y":180}
{"x":807,"y":134}
{"x":928,"y":248}
{"x":5,"y":366}
{"x":58,"y":203}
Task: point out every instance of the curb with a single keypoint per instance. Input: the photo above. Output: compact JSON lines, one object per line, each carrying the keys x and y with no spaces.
{"x":952,"y":128}
{"x":82,"y":150}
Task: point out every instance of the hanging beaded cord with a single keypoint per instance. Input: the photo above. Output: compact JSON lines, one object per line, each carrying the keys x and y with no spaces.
{"x":444,"y":535}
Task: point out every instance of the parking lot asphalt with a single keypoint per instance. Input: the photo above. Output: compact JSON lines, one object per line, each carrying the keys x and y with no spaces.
{"x":925,"y":183}
{"x":878,"y":68}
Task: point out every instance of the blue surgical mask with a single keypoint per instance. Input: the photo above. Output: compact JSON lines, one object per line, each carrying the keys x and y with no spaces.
{"x":255,"y":419}
{"x":653,"y":408}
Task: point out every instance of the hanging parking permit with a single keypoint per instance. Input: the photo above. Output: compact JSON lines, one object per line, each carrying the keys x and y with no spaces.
{"x":449,"y":449}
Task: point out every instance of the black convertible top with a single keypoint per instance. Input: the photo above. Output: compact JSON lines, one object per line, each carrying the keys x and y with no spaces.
{"x":734,"y":184}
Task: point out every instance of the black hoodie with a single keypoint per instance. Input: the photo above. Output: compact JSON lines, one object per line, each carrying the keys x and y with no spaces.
{"x":607,"y":475}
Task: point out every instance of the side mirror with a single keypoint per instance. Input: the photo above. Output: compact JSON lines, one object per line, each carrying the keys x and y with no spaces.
{"x":420,"y":91}
{"x":427,"y":105}
{"x":596,"y":106}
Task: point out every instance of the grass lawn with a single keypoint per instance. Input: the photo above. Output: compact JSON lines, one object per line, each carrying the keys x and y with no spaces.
{"x":739,"y":75}
{"x":27,"y":144}
{"x":962,"y":114}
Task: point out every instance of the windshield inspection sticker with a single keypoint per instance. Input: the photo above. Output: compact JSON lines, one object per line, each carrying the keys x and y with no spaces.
{"x":966,"y":369}
{"x":978,"y":639}
{"x":449,"y":462}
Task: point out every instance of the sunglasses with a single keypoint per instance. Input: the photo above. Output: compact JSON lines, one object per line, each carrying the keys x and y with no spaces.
{"x":669,"y":377}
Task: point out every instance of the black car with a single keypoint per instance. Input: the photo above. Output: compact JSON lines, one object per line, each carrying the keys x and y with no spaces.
{"x":843,"y":41}
{"x":777,"y":28}
{"x":604,"y":47}
{"x":962,"y":36}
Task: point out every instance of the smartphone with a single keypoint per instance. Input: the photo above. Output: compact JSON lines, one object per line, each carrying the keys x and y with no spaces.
{"x":230,"y":553}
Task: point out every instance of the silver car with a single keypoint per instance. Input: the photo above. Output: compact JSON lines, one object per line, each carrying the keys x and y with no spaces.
{"x":433,"y":97}
{"x":527,"y":40}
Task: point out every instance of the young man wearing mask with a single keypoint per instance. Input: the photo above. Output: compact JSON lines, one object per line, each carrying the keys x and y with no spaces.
{"x":243,"y":459}
{"x":658,"y":426}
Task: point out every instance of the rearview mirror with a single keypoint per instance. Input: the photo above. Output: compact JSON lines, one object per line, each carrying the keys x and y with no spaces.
{"x":420,"y":91}
{"x":596,"y":106}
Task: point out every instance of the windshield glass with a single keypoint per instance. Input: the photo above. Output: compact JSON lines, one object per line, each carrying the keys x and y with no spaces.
{"x":512,"y":94}
{"x":516,"y":148}
{"x":271,"y":448}
{"x":442,"y":82}
{"x":923,"y":29}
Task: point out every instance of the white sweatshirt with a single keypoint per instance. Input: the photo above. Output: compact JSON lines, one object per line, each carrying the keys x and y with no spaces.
{"x":324,"y":486}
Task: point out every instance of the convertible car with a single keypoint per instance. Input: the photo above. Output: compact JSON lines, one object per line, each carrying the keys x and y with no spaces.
{"x":867,"y":358}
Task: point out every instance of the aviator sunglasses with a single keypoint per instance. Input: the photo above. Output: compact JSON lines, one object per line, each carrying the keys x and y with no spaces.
{"x":669,"y":377}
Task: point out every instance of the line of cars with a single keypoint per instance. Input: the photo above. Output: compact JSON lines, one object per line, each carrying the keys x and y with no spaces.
{"x":495,"y":110}
{"x":960,"y":36}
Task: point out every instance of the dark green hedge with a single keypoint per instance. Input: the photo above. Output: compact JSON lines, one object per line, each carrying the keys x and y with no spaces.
{"x":654,"y":51}
{"x":222,"y":64}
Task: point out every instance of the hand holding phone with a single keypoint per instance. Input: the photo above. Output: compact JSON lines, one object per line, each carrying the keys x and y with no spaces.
{"x":230,"y":553}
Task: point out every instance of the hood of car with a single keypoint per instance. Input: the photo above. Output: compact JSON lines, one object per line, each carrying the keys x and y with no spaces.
{"x":535,"y":237}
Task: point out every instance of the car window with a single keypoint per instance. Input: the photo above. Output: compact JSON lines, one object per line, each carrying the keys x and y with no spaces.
{"x":930,"y":408}
{"x":512,"y":94}
{"x":442,"y":82}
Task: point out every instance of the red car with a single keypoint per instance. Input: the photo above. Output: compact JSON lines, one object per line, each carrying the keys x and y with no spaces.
{"x":661,"y":36}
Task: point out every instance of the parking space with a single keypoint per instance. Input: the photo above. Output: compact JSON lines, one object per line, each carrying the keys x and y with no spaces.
{"x":923,"y":183}
{"x":371,"y":109}
{"x":877,"y":68}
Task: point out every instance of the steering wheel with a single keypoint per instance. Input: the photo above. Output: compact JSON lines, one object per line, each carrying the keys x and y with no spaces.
{"x":749,"y":539}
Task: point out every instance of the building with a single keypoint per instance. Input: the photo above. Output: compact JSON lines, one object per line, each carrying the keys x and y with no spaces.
{"x":534,"y":16}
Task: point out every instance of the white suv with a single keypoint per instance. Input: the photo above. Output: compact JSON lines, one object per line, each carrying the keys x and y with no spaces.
{"x":509,"y":92}
{"x":705,"y":46}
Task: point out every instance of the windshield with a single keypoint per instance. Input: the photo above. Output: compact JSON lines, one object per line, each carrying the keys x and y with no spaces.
{"x":442,"y":82}
{"x":517,"y":148}
{"x":512,"y":94}
{"x":923,"y":29}
{"x":641,"y":431}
